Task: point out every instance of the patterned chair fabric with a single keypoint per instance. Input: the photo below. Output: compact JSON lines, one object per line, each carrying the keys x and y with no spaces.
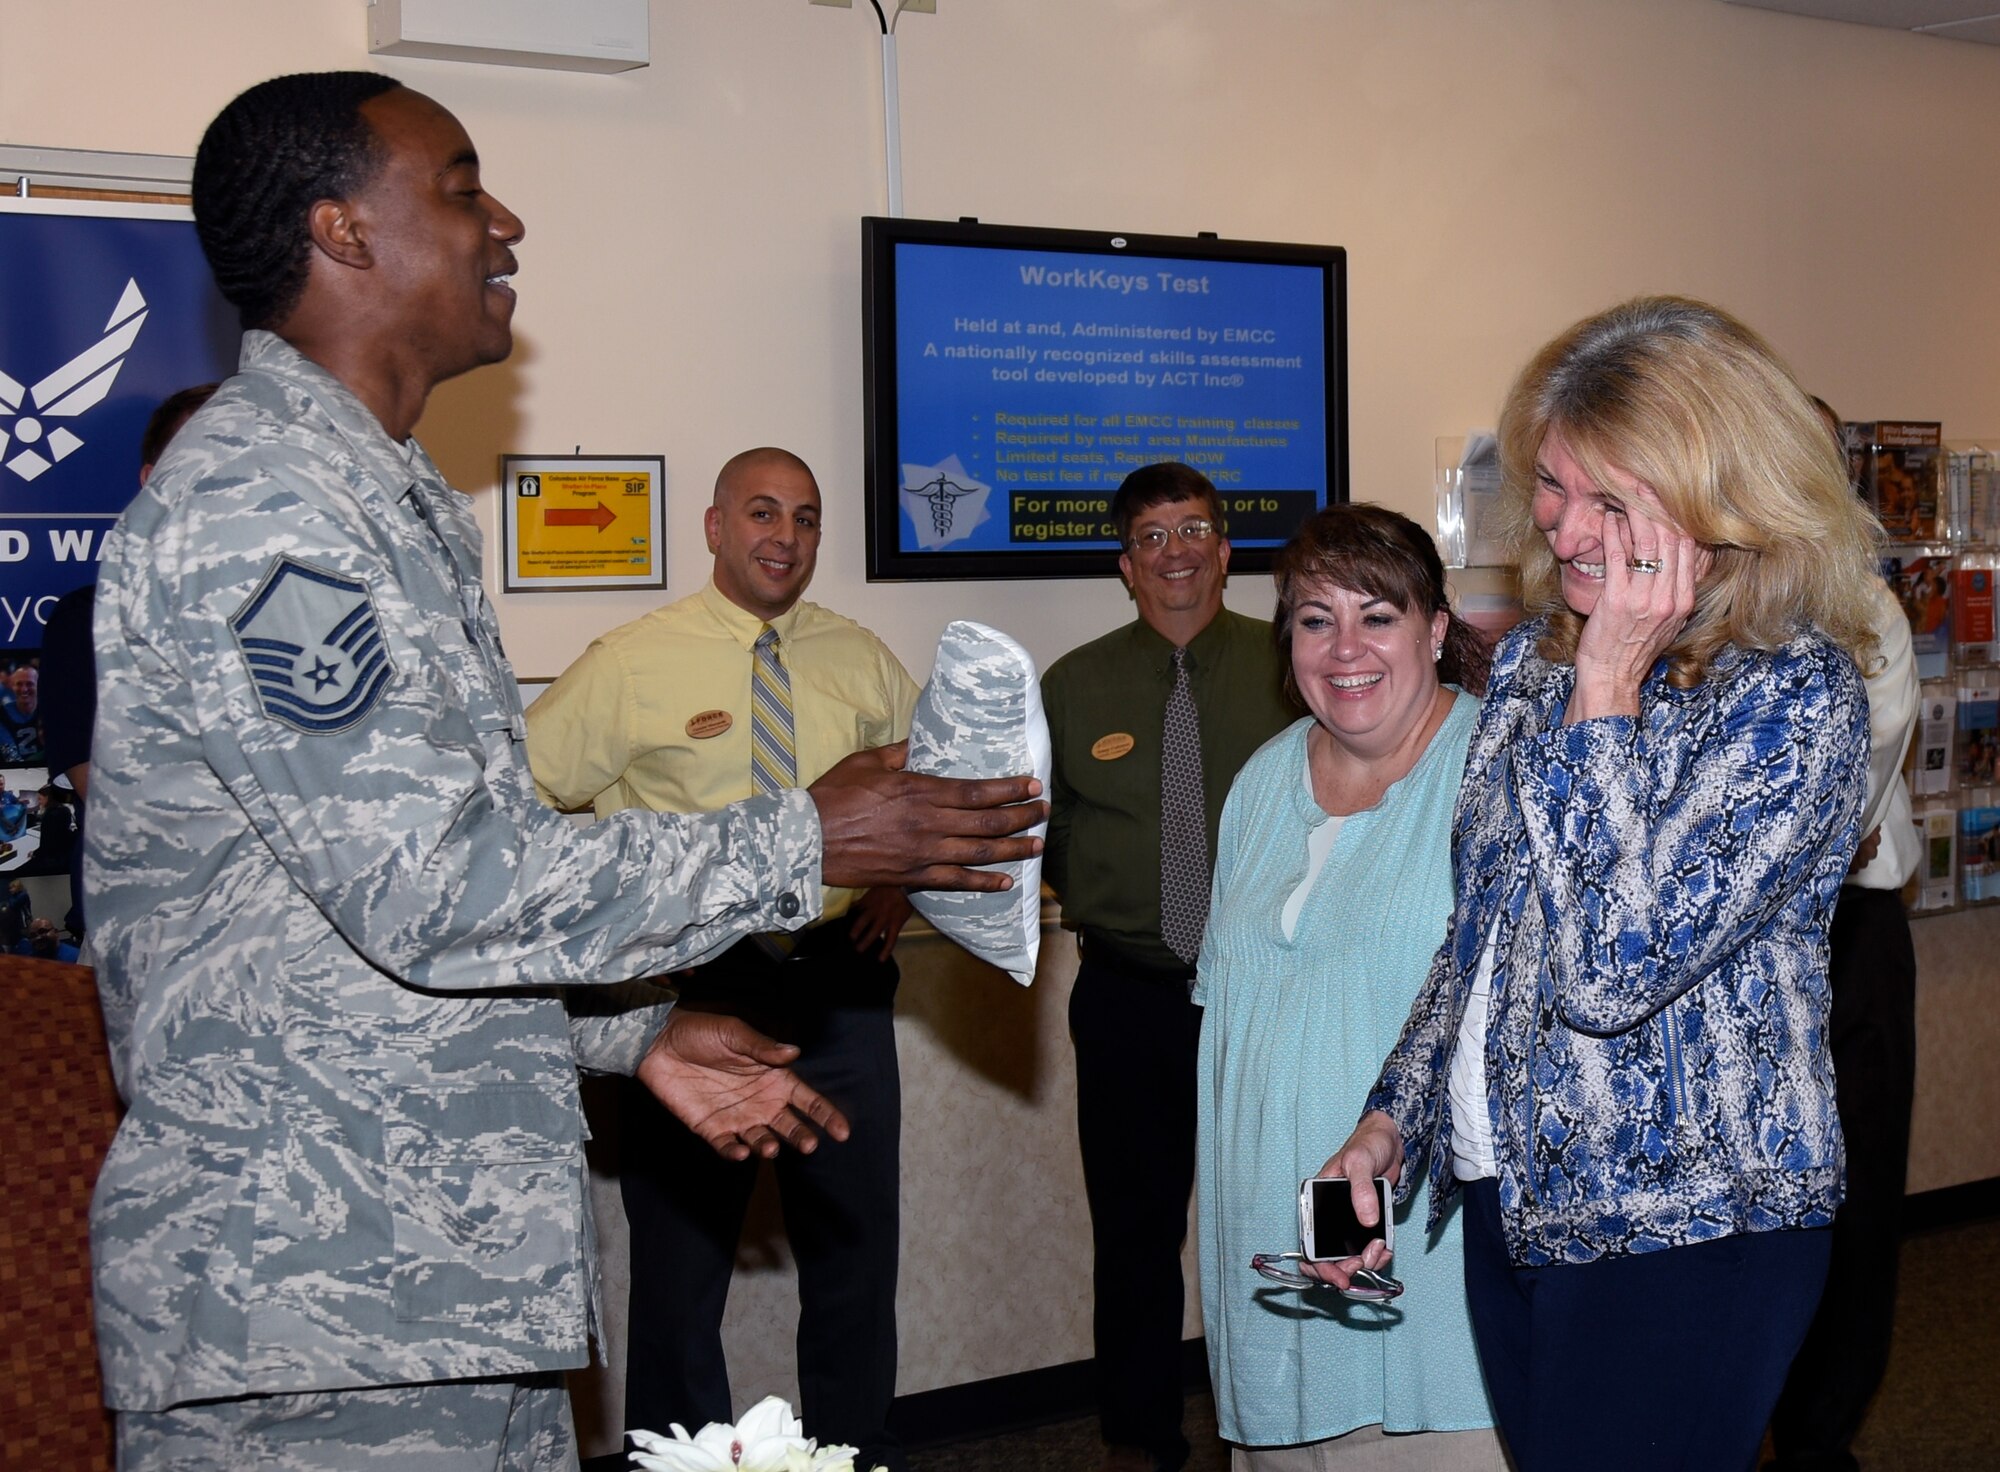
{"x":58,"y":1109}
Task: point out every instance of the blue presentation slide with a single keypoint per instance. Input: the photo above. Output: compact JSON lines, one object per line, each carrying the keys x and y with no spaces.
{"x":1030,"y":383}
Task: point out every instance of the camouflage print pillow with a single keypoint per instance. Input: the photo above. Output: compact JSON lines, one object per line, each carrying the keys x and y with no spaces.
{"x":981,"y":716}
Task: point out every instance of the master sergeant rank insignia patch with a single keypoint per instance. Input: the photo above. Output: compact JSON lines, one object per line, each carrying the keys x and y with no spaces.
{"x":314,"y":646}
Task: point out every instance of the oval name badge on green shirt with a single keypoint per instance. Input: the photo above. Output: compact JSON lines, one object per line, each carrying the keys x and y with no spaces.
{"x":1109,"y":748}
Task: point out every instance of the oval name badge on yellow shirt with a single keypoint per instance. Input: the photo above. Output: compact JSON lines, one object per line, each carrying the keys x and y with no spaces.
{"x":709,"y":723}
{"x":1110,"y":748}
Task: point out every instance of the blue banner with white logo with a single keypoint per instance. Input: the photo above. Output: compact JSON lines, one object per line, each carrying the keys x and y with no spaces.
{"x":104,"y":311}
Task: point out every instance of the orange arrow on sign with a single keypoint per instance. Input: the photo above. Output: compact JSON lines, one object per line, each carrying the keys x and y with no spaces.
{"x":602,"y":517}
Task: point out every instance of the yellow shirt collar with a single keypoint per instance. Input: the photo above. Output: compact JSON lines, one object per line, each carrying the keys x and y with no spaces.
{"x":743,"y":625}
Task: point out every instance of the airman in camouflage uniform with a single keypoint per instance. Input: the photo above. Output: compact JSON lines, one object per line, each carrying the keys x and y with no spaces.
{"x":330,"y":915}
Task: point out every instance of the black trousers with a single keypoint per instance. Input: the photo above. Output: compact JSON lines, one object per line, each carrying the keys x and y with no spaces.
{"x":1648,"y":1362}
{"x":686,"y":1206}
{"x":1874,"y":976}
{"x":1136,"y":1035}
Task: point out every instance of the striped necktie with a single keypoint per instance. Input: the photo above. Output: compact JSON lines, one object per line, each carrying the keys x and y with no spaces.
{"x":1183,"y":822}
{"x":774,"y":755}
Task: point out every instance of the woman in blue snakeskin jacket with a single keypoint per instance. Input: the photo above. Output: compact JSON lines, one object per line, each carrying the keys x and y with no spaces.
{"x":1620,"y":1053}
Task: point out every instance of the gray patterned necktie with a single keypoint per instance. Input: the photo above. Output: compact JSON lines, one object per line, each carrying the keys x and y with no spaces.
{"x":774,"y":755}
{"x":1183,"y":823}
{"x":774,"y":760}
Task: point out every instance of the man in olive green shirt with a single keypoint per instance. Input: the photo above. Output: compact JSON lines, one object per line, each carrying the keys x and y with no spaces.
{"x":1149,"y":726}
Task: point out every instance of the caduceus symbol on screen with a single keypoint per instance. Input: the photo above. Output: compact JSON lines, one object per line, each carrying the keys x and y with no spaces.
{"x":944,"y":501}
{"x":940,"y":495}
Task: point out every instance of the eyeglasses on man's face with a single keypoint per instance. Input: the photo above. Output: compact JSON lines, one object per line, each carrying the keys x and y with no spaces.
{"x":1155,"y":538}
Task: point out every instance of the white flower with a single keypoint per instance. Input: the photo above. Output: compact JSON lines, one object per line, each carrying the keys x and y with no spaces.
{"x":768,"y":1439}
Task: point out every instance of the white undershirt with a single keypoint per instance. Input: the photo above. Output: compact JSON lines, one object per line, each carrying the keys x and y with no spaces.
{"x":1471,"y":1130}
{"x":1319,"y":843}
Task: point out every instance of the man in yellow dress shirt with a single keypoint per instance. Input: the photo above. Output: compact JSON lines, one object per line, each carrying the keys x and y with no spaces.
{"x":659,"y":714}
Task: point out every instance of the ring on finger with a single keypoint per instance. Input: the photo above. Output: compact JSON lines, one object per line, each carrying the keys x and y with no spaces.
{"x":1645,"y":564}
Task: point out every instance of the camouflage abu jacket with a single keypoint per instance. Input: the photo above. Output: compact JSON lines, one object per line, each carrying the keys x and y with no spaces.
{"x":1657,"y":891}
{"x":330,"y":917}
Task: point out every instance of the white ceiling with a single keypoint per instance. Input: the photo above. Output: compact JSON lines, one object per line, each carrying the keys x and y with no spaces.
{"x":1963,"y":20}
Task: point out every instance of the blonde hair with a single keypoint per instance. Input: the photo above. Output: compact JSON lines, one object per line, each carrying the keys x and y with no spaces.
{"x":1682,"y":396}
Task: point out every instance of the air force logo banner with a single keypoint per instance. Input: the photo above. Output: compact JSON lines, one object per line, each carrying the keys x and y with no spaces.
{"x":80,"y":384}
{"x":104,"y":311}
{"x":314,"y":646}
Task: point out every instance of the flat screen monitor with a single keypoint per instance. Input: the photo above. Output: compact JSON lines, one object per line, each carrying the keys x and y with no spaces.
{"x":1014,"y":376}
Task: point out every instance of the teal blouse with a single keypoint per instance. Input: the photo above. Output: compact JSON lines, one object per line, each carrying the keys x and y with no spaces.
{"x":1292,"y":1037}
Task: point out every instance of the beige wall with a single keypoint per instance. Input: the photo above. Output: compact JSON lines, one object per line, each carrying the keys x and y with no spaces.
{"x":1496,"y":168}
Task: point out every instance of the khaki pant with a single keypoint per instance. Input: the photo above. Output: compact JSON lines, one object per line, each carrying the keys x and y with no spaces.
{"x":1368,"y":1449}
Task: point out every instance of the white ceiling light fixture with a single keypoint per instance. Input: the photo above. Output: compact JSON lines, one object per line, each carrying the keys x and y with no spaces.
{"x":558,"y":35}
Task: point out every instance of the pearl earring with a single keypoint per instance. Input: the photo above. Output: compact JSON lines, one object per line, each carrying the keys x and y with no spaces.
{"x":1437,"y":652}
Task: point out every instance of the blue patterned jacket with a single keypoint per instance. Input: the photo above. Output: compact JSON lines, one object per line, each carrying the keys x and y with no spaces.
{"x":1658,"y":890}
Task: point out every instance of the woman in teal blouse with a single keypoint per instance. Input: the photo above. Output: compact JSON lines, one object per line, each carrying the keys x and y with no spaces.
{"x":1332,"y":889}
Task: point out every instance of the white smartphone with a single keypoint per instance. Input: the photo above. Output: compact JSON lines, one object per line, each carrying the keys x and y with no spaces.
{"x":1328,"y":1230}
